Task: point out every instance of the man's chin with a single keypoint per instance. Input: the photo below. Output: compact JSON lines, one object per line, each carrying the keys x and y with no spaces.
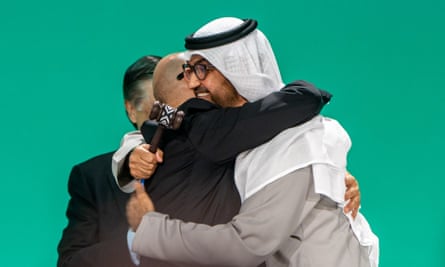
{"x":205,"y":97}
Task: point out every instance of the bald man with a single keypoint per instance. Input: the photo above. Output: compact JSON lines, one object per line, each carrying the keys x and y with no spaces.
{"x":195,"y":180}
{"x":291,"y":187}
{"x":168,"y":90}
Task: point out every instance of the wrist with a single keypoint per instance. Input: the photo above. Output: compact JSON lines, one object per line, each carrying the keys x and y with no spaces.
{"x":124,"y":176}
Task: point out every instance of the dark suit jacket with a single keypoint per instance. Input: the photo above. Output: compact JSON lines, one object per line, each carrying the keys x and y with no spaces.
{"x":96,"y":234}
{"x":97,"y":226}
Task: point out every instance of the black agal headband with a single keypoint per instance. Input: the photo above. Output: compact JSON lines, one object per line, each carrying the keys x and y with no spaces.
{"x":204,"y":42}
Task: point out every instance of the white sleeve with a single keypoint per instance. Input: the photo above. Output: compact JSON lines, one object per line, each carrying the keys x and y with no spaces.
{"x":135,"y":258}
{"x":128,"y":143}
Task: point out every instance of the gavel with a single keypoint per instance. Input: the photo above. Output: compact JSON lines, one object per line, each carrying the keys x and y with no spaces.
{"x":167,"y":117}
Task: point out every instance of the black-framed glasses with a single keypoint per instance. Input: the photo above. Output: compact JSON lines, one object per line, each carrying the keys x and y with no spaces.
{"x":201,"y":70}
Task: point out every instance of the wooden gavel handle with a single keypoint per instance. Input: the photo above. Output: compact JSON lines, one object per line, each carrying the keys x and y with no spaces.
{"x":156,"y":139}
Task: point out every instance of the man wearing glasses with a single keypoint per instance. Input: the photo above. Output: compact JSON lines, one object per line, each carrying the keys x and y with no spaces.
{"x":211,"y":85}
{"x":195,"y":180}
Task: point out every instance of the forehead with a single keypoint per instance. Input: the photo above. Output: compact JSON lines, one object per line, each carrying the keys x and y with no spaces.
{"x":195,"y":59}
{"x":145,"y":84}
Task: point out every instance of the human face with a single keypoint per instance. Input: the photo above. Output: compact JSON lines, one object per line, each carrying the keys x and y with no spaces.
{"x":214,"y":87}
{"x":138,"y":109}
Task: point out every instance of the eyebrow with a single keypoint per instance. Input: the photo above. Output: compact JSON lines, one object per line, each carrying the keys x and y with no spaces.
{"x":202,"y":60}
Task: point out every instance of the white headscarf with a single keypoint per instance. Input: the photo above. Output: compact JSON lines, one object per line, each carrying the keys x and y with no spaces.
{"x":248,"y":63}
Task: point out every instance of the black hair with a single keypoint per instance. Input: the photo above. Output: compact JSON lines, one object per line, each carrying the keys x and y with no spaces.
{"x":140,"y":70}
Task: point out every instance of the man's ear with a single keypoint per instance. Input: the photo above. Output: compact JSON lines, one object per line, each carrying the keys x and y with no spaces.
{"x":131,"y":111}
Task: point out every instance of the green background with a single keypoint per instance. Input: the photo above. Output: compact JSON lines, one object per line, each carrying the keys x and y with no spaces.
{"x":61,"y":66}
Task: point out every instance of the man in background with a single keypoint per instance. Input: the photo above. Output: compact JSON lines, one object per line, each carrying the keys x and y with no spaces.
{"x":97,"y":227}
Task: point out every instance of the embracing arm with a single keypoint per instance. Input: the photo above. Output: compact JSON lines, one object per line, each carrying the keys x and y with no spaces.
{"x":265,"y":221}
{"x":119,"y":163}
{"x":80,"y":245}
{"x":221,"y":134}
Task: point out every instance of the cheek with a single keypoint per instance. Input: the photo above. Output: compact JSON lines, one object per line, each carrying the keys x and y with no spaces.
{"x":216,"y":83}
{"x":210,"y":85}
{"x":228,"y":90}
{"x":142,"y":115}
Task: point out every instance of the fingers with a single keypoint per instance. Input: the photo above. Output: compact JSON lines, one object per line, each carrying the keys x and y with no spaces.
{"x":352,"y":187}
{"x":353,"y":203}
{"x":159,"y":155}
{"x":353,"y":208}
{"x":141,"y":153}
{"x":131,"y":213}
{"x":143,"y":200}
{"x":143,"y":163}
{"x":139,"y":188}
{"x":352,"y":192}
{"x":148,"y":156}
{"x":350,"y":180}
{"x":352,"y":195}
{"x":138,"y":205}
{"x":354,"y":213}
{"x":139,"y":171}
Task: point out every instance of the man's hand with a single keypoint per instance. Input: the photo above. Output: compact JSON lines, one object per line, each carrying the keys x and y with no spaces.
{"x":143,"y":163}
{"x":352,"y":194}
{"x":138,"y":205}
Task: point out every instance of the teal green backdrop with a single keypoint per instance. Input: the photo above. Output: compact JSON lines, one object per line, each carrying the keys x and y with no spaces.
{"x":61,"y":65}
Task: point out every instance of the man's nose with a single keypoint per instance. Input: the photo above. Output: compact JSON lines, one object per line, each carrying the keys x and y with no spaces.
{"x":193,"y":82}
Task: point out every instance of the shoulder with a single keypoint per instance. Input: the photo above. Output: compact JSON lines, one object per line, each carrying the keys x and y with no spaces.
{"x":90,"y":170}
{"x":196,"y":105}
{"x":96,"y":163}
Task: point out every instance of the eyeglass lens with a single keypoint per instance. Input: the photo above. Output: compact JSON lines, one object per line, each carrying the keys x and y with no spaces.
{"x":200,"y":70}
